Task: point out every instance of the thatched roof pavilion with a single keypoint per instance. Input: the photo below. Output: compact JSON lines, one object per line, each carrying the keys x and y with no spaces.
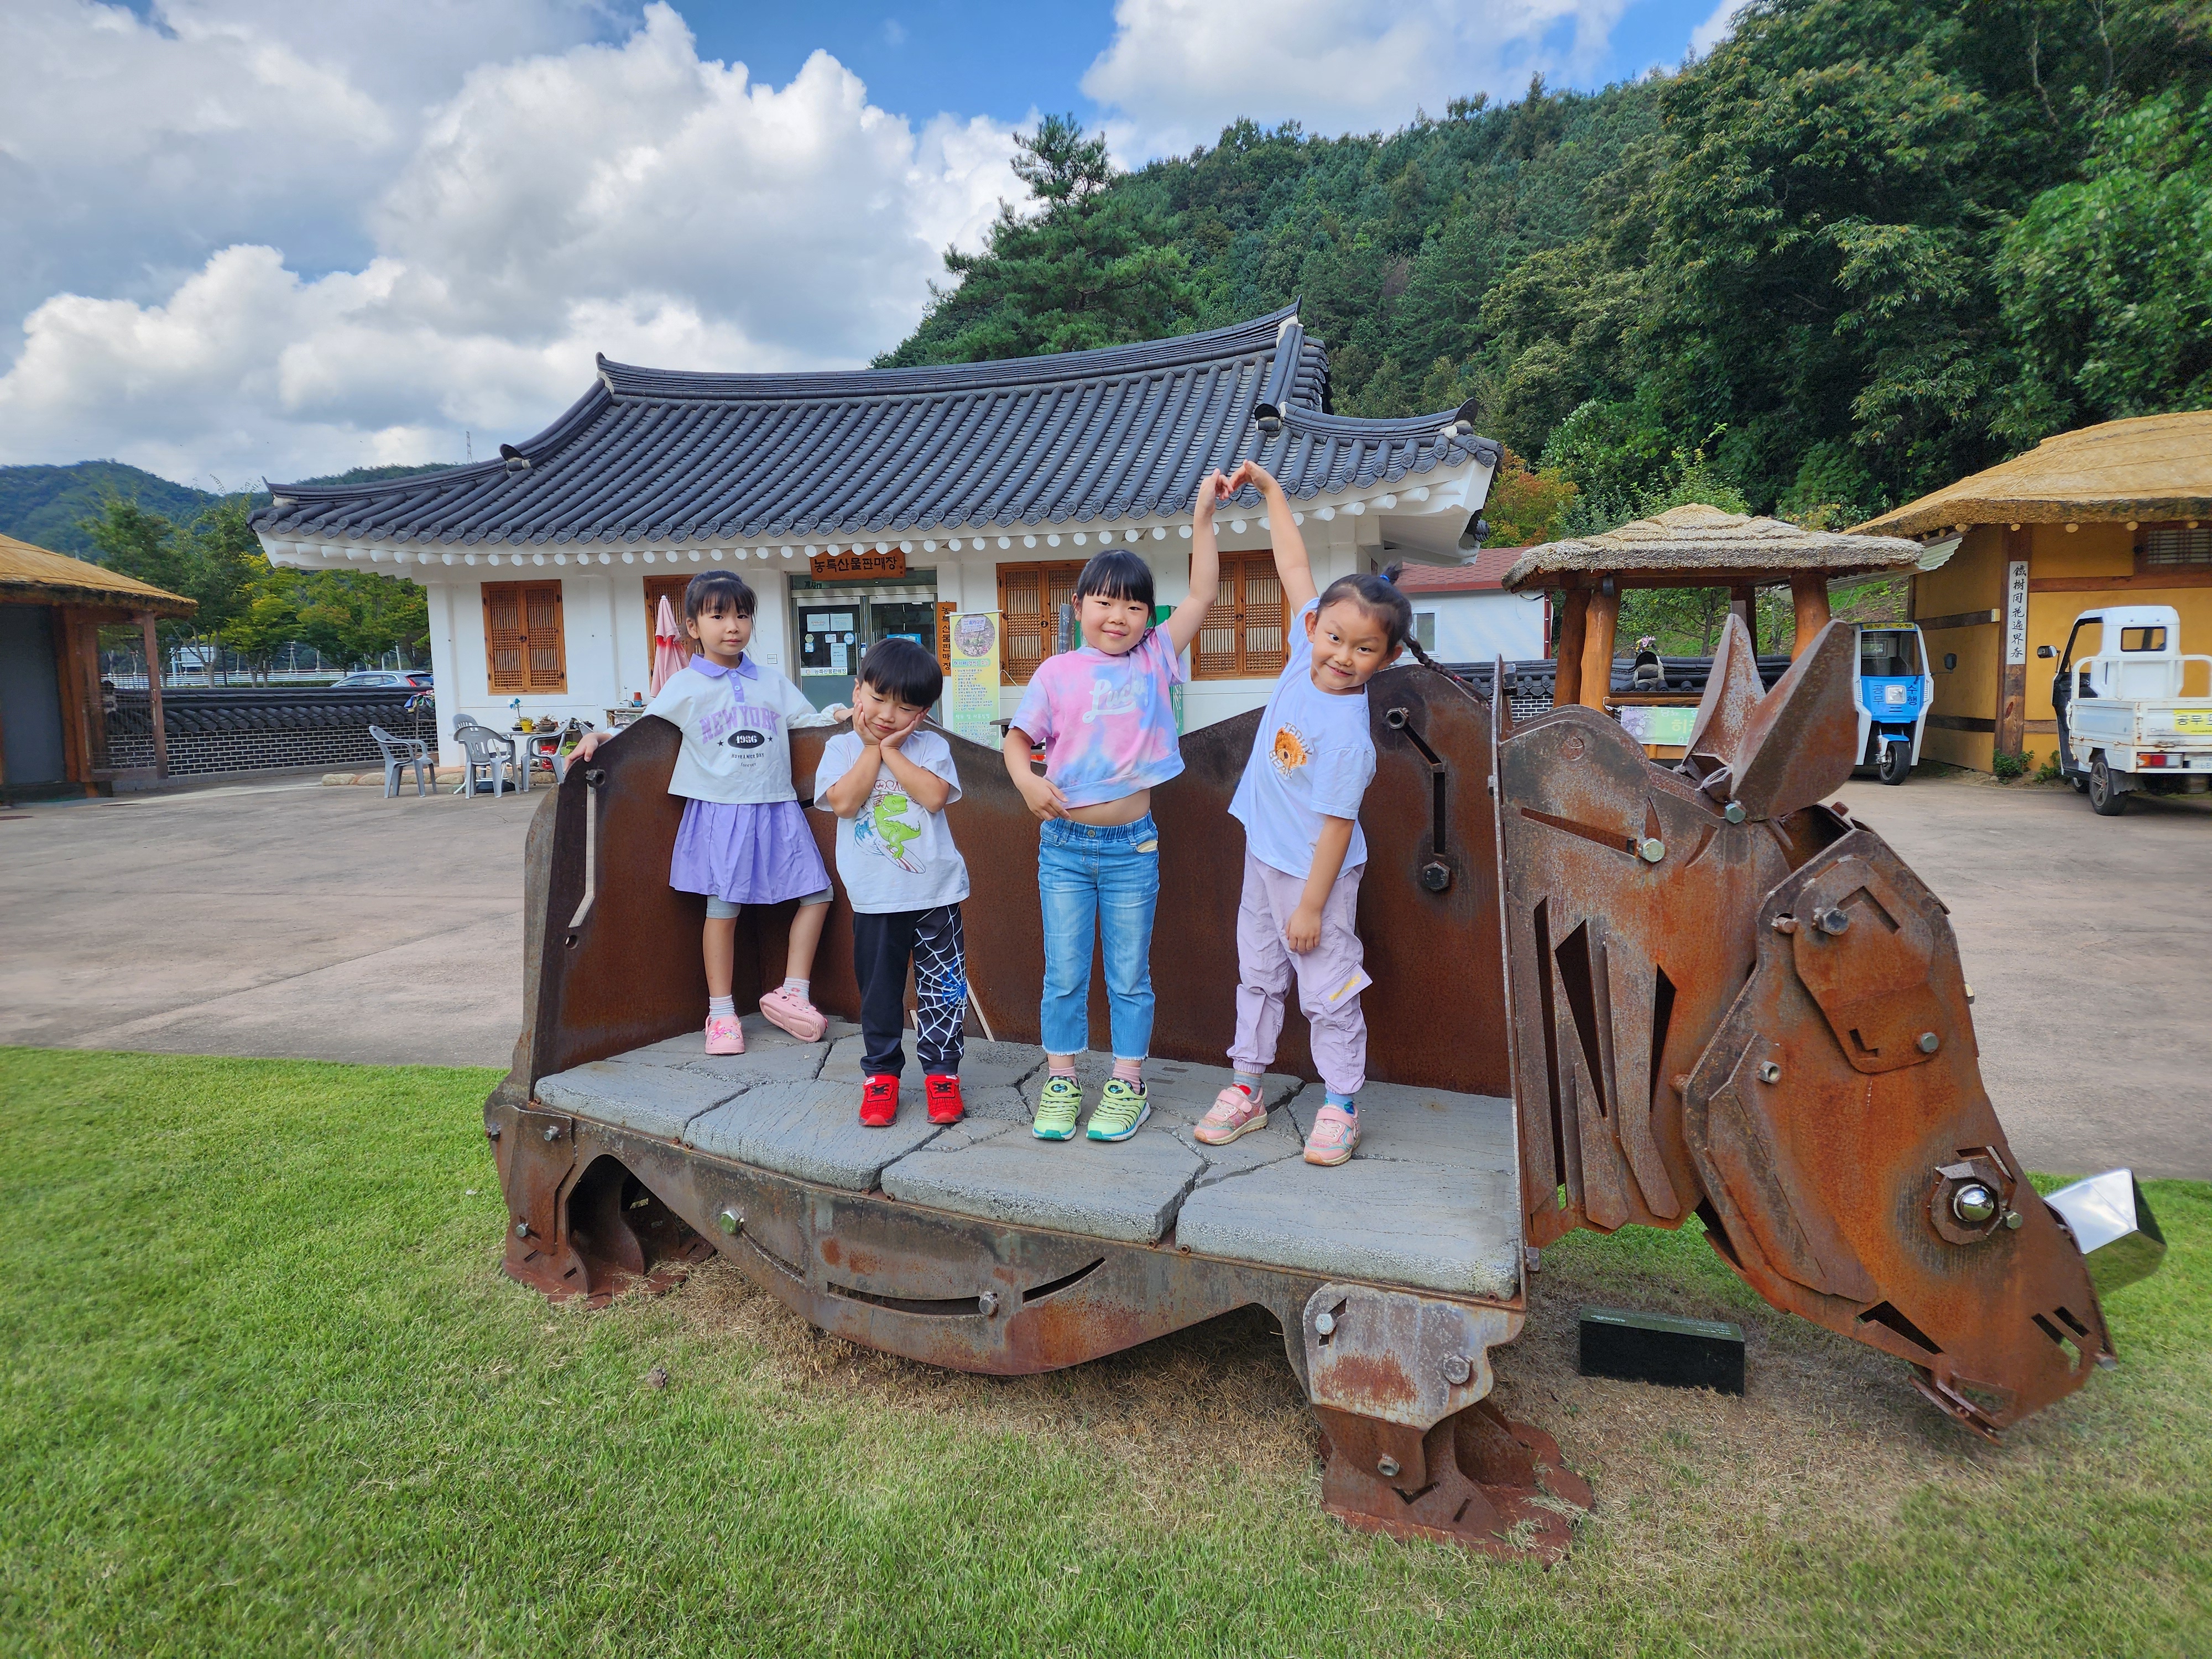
{"x":1693,"y":546}
{"x":2154,"y":467}
{"x":52,"y":610}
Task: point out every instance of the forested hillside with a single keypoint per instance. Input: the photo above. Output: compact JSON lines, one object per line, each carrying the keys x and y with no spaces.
{"x":199,"y":545}
{"x":1864,"y":247}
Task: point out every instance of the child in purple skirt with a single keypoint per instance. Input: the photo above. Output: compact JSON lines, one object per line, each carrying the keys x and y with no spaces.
{"x":744,"y":839}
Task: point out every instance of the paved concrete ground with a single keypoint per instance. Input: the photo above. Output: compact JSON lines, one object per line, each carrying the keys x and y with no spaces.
{"x":287,"y":919}
{"x":334,"y":924}
{"x":2088,"y":942}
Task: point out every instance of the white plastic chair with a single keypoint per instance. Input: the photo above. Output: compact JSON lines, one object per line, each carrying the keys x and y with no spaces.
{"x":399,"y":754}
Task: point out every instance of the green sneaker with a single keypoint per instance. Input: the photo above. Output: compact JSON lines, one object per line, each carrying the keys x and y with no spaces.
{"x":1122,"y":1109}
{"x":1057,"y":1107}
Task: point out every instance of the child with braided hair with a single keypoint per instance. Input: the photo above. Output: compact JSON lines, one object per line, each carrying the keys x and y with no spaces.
{"x":1298,"y":801}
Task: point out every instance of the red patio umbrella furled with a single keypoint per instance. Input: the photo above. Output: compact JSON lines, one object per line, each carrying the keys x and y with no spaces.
{"x":669,"y":650}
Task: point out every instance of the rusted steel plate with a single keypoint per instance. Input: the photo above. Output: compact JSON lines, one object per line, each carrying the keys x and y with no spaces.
{"x":1842,"y":1199}
{"x":630,"y":974}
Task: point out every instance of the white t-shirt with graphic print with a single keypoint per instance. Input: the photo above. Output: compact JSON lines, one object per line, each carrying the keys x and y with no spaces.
{"x":1312,"y":758}
{"x":891,"y":856}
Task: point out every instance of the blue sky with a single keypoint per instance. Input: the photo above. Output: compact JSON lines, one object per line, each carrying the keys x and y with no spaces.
{"x":1000,"y":59}
{"x":291,"y":236}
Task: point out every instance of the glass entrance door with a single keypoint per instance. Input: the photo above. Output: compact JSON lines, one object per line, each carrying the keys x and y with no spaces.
{"x":834,"y":627}
{"x":831,"y":640}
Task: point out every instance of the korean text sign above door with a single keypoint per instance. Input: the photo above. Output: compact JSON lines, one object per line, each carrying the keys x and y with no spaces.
{"x":856,"y":566}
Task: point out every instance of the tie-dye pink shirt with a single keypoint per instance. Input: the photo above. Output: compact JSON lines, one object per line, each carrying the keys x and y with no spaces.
{"x":1108,"y":723}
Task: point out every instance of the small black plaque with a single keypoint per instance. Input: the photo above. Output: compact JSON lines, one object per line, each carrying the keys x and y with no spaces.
{"x":1663,"y":1348}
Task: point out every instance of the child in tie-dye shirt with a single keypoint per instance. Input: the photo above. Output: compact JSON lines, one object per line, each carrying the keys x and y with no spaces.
{"x":1105,"y":714}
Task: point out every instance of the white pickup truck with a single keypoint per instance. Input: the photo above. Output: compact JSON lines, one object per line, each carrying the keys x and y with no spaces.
{"x":2123,"y":723}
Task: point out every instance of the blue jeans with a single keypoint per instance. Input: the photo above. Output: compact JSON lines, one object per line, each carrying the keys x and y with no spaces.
{"x":1110,"y":876}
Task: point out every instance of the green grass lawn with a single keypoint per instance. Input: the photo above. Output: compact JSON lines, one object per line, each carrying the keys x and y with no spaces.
{"x":267,"y":1392}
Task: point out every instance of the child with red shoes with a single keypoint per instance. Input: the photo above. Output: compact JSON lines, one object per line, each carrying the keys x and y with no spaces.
{"x":888,"y":782}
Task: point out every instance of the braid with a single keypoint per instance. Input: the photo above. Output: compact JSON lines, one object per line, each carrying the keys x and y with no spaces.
{"x":1379,"y":595}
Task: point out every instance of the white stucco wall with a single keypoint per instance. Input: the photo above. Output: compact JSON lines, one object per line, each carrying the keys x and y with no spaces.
{"x":1477,"y":627}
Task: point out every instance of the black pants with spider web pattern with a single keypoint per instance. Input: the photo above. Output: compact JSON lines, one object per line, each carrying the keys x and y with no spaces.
{"x":882,"y":946}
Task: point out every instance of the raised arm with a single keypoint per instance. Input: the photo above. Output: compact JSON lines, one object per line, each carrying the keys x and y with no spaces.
{"x":1189,"y":616}
{"x":1291,"y":565}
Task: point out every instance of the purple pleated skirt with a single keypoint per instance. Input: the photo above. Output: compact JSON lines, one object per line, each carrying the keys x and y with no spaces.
{"x":747,"y":852}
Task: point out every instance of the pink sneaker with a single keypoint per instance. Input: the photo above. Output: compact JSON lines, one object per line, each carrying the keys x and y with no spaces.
{"x":1234,"y":1113}
{"x":795,"y":1014}
{"x":724,"y":1035}
{"x":1335,"y":1133}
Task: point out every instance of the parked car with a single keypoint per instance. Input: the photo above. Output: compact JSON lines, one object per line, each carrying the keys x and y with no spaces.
{"x":2123,"y":722}
{"x":1893,"y":687}
{"x":377,"y":679}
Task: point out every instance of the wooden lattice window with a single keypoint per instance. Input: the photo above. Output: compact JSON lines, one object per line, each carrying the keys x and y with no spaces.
{"x":1245,"y":633}
{"x":2172,"y":547}
{"x":523,"y":650}
{"x":1030,"y":598}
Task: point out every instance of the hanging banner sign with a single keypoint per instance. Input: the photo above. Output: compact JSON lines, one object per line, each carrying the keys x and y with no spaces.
{"x":2016,"y":612}
{"x":971,"y":694}
{"x":855,"y":567}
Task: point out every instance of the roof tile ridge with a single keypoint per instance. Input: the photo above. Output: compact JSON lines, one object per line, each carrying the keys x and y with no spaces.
{"x":632,"y":380}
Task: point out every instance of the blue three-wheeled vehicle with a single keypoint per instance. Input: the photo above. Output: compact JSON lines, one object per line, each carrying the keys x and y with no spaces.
{"x":1893,"y":689}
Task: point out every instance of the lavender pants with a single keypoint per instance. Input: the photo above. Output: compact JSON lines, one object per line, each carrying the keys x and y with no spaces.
{"x":1330,"y":976}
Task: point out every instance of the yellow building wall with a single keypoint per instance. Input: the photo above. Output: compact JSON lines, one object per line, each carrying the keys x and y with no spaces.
{"x":2094,"y":549}
{"x":1972,"y":579}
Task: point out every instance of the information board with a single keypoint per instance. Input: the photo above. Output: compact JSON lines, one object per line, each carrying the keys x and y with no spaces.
{"x":971,"y":696}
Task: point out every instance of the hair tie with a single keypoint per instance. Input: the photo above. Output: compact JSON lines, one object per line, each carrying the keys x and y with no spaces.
{"x":1389,"y":577}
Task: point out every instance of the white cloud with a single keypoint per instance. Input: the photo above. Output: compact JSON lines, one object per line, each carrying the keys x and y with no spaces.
{"x":1178,"y":71}
{"x":1716,"y":28}
{"x":623,"y":196}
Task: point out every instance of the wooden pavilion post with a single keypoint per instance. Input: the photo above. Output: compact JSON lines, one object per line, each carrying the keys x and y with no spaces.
{"x":153,"y":693}
{"x":1809,"y":598}
{"x":1567,"y":649}
{"x":1743,"y":599}
{"x":1597,"y":643}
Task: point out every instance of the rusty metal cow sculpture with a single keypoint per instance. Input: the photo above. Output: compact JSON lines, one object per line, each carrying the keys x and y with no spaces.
{"x":1685,"y":990}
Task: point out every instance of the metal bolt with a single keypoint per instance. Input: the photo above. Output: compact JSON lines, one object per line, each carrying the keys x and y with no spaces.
{"x":1653,"y":850}
{"x":1324,"y":1323}
{"x":1929,"y":1042}
{"x":729,"y":1221}
{"x":1457,"y":1369}
{"x":1974,"y":1204}
{"x":1834,"y":921}
{"x":2013,"y":1218}
{"x":1733,"y":812}
{"x":1970,"y":995}
{"x":552,"y":1132}
{"x":522,"y":1230}
{"x":493,"y":1132}
{"x":988,"y":1303}
{"x":1769,"y":1072}
{"x":1386,"y":1467}
{"x":1785,"y":924}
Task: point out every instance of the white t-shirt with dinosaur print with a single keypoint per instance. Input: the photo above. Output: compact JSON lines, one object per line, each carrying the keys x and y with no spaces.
{"x":892,"y":856}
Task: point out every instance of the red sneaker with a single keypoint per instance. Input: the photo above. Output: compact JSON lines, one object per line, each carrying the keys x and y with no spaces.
{"x":878,"y":1102}
{"x":946,"y":1105}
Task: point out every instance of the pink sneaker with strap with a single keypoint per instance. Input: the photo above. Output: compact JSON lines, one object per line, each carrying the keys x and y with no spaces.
{"x":724,"y":1035}
{"x":1335,"y":1133}
{"x":1234,"y":1113}
{"x":795,"y":1014}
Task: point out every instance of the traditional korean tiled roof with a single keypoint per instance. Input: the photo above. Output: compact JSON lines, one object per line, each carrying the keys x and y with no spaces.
{"x":659,"y":456}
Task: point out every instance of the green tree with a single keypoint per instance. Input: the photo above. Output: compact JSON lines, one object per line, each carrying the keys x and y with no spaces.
{"x":2107,"y":280}
{"x":1091,"y":269}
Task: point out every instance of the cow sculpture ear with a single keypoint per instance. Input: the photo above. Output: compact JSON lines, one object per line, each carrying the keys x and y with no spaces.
{"x":1773,"y":754}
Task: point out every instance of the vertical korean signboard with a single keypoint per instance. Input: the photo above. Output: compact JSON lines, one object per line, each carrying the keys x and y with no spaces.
{"x":971,"y":694}
{"x":2011,"y":737}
